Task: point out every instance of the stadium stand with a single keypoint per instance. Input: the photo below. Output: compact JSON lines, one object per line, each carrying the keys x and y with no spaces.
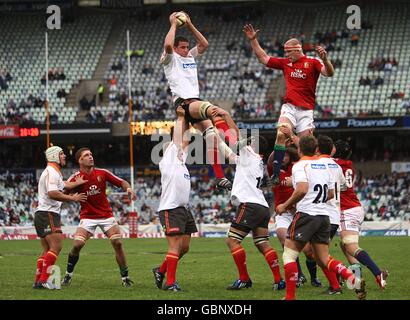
{"x":229,"y":73}
{"x":71,"y":50}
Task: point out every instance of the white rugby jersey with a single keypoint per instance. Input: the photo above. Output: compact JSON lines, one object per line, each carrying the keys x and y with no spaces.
{"x":340,"y":182}
{"x":175,"y":179}
{"x":51,"y":179}
{"x":182,"y":74}
{"x":320,"y":179}
{"x":248,"y":178}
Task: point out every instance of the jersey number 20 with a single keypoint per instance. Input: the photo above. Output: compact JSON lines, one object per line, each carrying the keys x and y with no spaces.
{"x":322,"y":195}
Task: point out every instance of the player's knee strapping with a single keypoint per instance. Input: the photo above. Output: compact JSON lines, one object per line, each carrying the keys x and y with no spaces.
{"x":289,"y":255}
{"x":232,"y":234}
{"x":350,"y":239}
{"x":211,"y":136}
{"x":80,"y":238}
{"x":115,"y":237}
{"x":260,"y":240}
{"x":203,"y":109}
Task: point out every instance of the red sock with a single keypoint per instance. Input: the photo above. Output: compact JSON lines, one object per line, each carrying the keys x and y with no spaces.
{"x":40,"y":261}
{"x":271,"y":258}
{"x":338,"y":267}
{"x":172,"y":262}
{"x":331,"y":277}
{"x":49,"y":260}
{"x":239,"y":256}
{"x":214,"y":155}
{"x":163,"y":266}
{"x":291,"y":277}
{"x":229,"y":134}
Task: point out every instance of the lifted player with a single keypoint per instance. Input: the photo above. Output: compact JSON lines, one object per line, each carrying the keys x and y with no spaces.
{"x":180,"y":69}
{"x":301,"y":75}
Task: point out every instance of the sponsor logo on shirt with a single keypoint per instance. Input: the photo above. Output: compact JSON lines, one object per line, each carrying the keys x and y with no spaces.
{"x":298,"y":74}
{"x":189,"y":65}
{"x":317,"y":166}
{"x":93,"y":190}
{"x":332,"y":165}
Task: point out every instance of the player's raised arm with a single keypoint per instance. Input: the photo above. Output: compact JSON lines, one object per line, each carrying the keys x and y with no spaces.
{"x":327,"y":70}
{"x":201,"y":42}
{"x":251,"y":34}
{"x":70,"y":184}
{"x":169,"y":39}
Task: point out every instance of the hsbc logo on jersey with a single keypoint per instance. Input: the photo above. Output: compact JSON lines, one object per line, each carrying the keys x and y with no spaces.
{"x":93,"y":190}
{"x":298,"y":74}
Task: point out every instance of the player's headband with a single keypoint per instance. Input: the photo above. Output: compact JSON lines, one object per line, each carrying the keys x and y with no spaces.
{"x":294,"y":47}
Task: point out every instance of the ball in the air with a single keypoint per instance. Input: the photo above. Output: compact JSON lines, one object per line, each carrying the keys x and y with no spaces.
{"x":181,"y":19}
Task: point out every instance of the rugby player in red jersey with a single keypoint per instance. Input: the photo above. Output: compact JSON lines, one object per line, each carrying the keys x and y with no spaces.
{"x":301,"y":75}
{"x":97,"y":212}
{"x":351,"y":218}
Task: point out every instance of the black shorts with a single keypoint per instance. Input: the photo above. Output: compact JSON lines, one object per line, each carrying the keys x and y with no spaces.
{"x":305,"y":228}
{"x":333,"y":230}
{"x":177,"y":221}
{"x":47,"y":223}
{"x":184,"y":103}
{"x":250,"y":216}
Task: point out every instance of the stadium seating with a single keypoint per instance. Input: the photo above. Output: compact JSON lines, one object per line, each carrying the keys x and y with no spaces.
{"x":78,"y":47}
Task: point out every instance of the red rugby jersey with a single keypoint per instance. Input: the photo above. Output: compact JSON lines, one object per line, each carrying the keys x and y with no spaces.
{"x":348,"y":198}
{"x":97,"y":205}
{"x":301,"y":78}
{"x":281,"y":193}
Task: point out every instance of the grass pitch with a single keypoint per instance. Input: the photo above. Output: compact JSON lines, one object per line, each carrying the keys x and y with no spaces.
{"x":203,"y":273}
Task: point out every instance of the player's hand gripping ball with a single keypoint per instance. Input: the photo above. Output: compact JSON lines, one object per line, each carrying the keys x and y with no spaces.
{"x":181,"y":19}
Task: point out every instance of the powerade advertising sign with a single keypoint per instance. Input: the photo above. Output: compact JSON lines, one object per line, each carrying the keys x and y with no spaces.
{"x":385,"y":233}
{"x":332,"y":124}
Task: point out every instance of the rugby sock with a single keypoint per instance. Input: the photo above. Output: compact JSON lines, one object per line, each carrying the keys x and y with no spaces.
{"x":213,"y":154}
{"x":172,"y":262}
{"x":239,"y":256}
{"x":331,"y":277}
{"x":338,"y":267}
{"x":291,"y":277}
{"x":229,"y":134}
{"x":271,"y":258}
{"x":278,"y":158}
{"x":49,"y":260}
{"x":124,"y":272}
{"x":163,"y":266}
{"x":311,"y":265}
{"x":72,"y":261}
{"x":365,"y":259}
{"x":40,"y":261}
{"x":300,"y":272}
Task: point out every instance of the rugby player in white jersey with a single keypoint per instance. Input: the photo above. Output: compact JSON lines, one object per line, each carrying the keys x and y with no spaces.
{"x":177,"y":221}
{"x":180,"y":67}
{"x":47,"y":219}
{"x":314,"y":186}
{"x":252,"y":214}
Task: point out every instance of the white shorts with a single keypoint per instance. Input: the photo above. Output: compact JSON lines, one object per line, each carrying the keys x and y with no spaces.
{"x":284,"y":220}
{"x":351,"y":219}
{"x":302,"y":119}
{"x":91,"y":224}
